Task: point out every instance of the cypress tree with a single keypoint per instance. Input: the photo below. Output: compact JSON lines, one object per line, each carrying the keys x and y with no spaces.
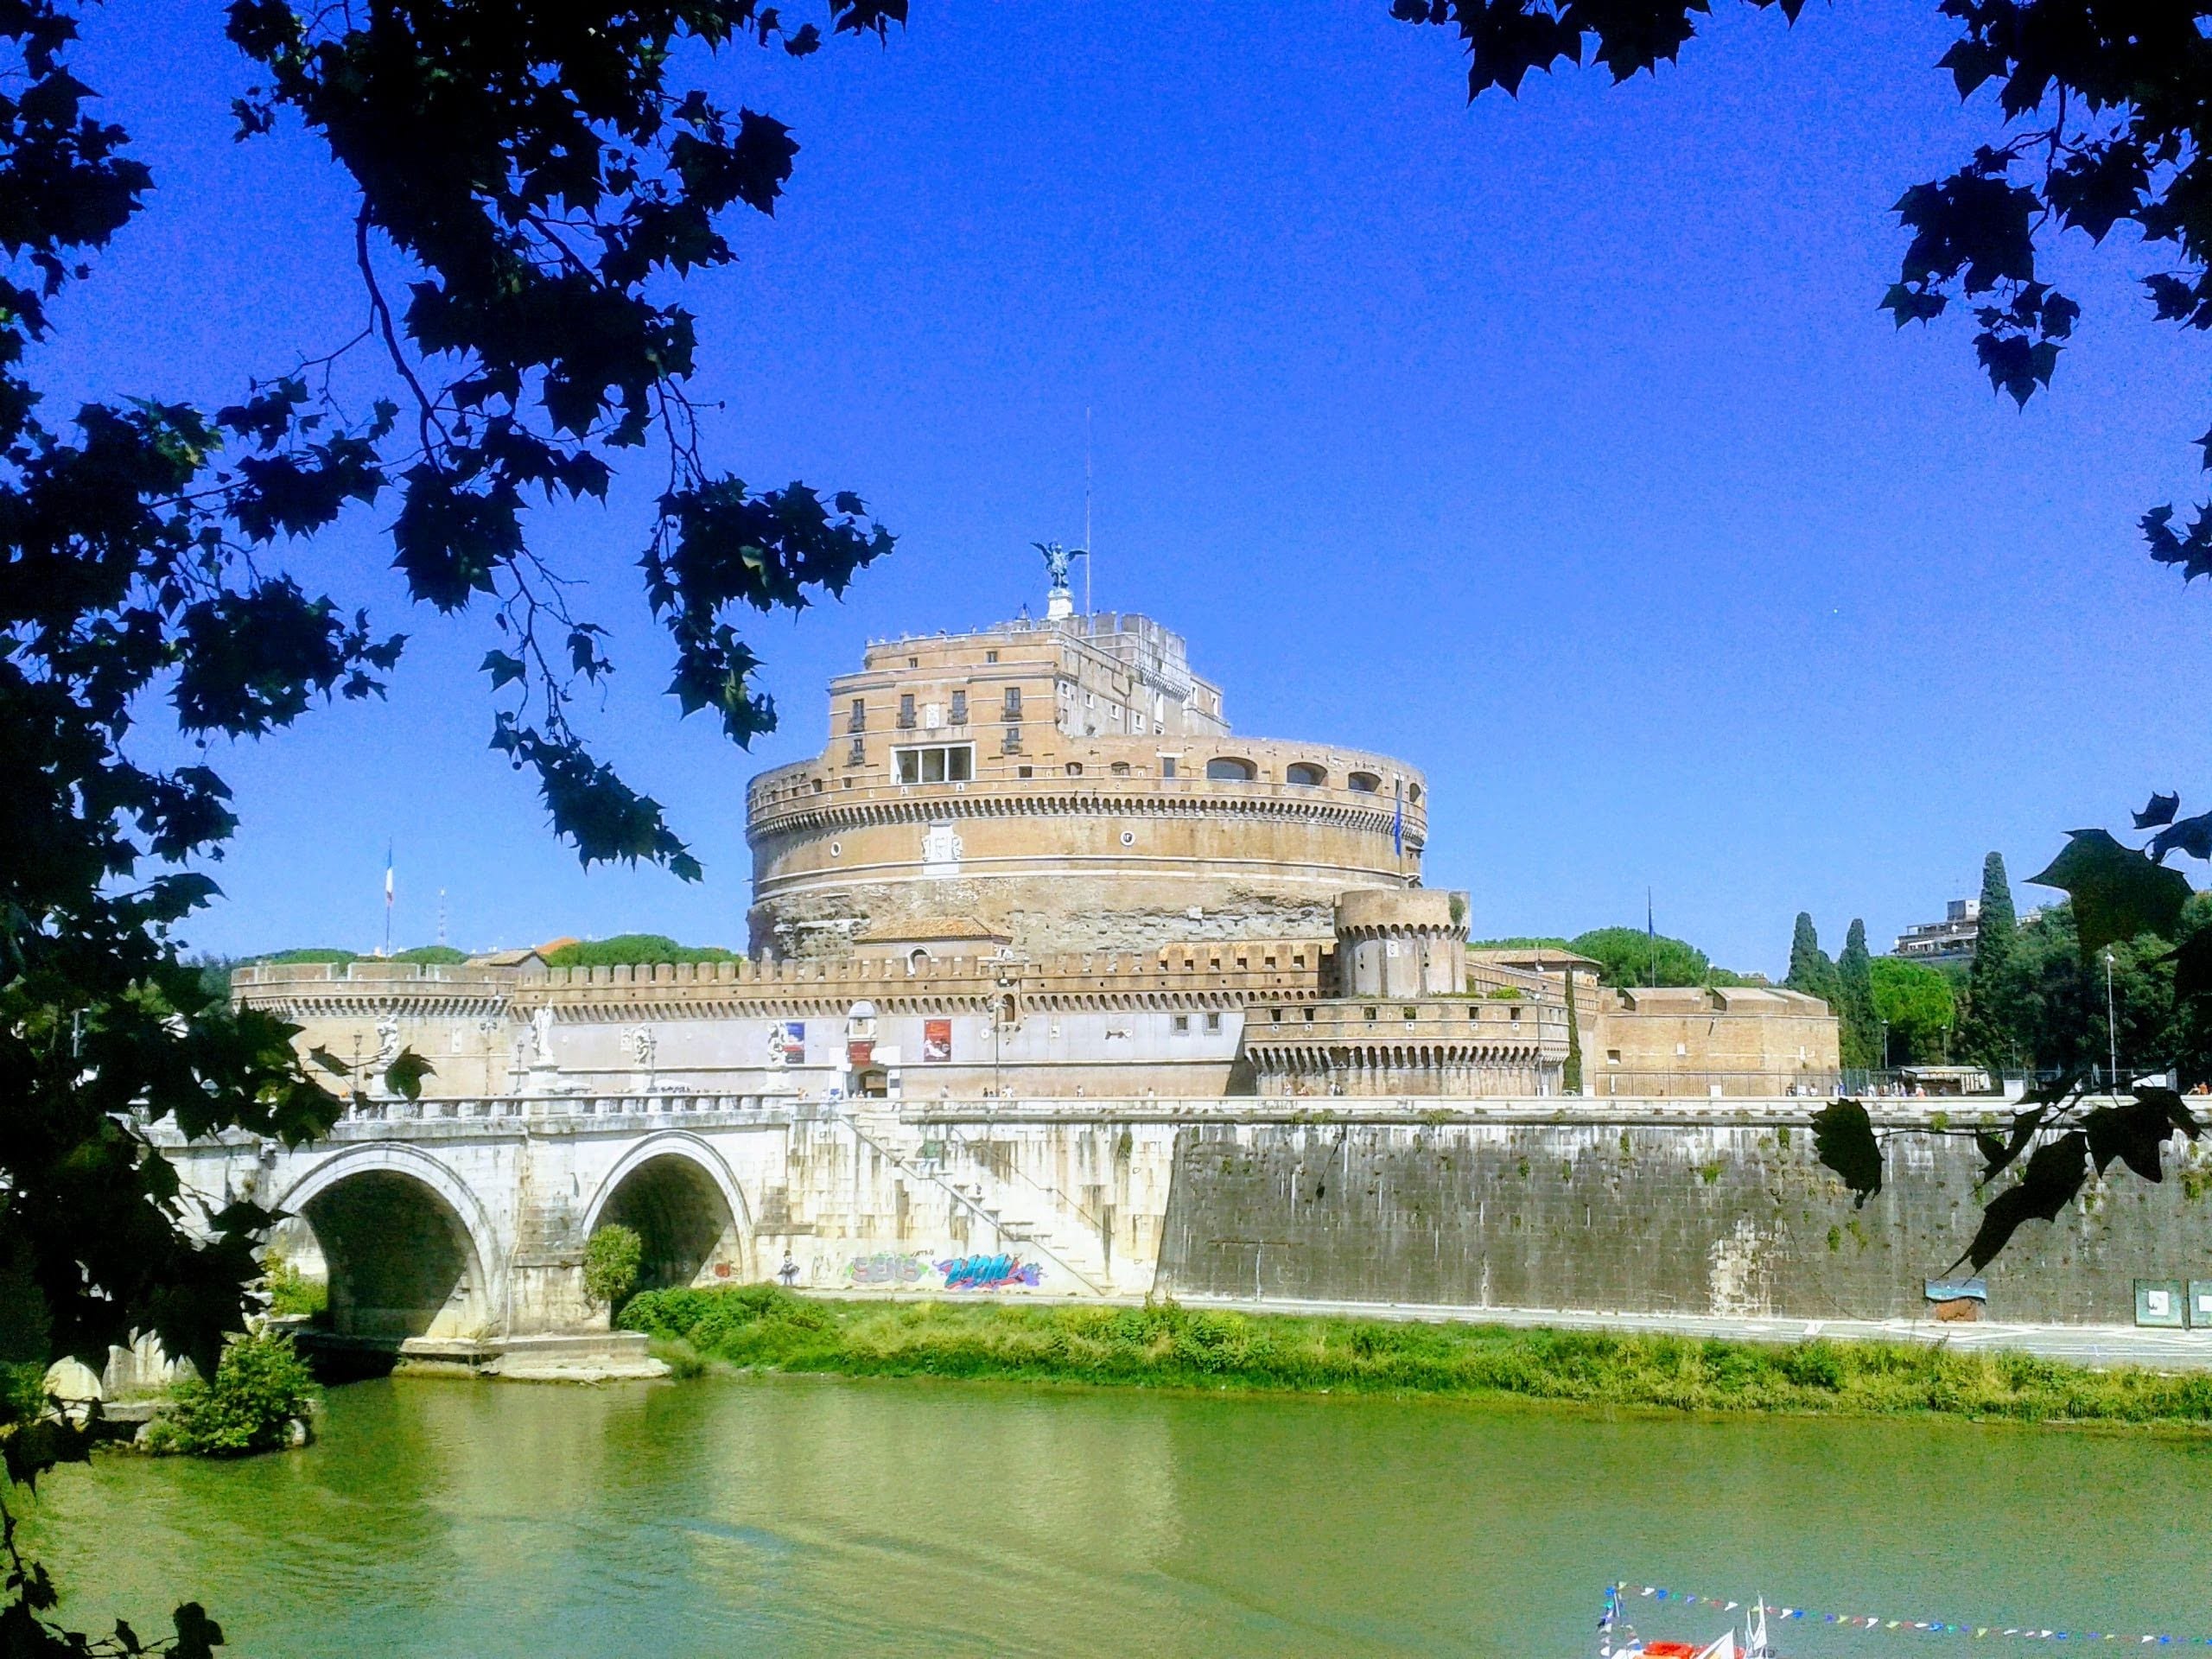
{"x":1570,"y":1073}
{"x":1811,"y":968}
{"x":1860,"y":1036}
{"x":1987,"y":1034}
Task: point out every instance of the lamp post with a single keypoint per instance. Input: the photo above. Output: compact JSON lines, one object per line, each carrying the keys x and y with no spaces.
{"x":2112,"y":1031}
{"x":1005,"y":982}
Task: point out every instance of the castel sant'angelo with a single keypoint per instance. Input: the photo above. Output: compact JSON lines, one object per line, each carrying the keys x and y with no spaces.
{"x":1035,"y":861}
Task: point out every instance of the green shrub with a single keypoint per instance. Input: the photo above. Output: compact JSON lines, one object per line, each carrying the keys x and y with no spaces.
{"x":612,"y":1258}
{"x":290,"y":1291}
{"x":260,"y":1386}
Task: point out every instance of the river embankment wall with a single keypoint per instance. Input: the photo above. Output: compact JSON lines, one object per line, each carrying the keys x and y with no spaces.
{"x":1656,"y":1211}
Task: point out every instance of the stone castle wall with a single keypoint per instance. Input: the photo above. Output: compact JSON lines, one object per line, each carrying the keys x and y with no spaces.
{"x":1650,"y":1214}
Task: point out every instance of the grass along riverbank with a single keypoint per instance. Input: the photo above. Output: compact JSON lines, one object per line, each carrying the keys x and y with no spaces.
{"x":761,"y":1327}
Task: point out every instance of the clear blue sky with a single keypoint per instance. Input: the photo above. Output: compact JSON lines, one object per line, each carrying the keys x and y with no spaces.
{"x":1556,"y":446}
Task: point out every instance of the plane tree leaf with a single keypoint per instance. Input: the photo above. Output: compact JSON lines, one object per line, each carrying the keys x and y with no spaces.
{"x":1843,"y":1140}
{"x":2051,"y":1181}
{"x":2116,"y":891}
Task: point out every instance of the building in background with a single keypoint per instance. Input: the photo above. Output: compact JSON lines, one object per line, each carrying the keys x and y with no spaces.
{"x":1951,"y":939}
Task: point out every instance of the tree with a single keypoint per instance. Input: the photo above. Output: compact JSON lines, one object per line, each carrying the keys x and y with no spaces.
{"x":1989,"y":1033}
{"x":1916,"y":1002}
{"x":530,"y":185}
{"x":2100,"y":111}
{"x":2103,"y":118}
{"x":1811,"y":968}
{"x":1859,"y":1035}
{"x":1570,"y":1073}
{"x":1630,"y":956}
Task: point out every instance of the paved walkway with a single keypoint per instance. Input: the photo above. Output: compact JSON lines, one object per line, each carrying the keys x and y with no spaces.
{"x":2080,"y":1344}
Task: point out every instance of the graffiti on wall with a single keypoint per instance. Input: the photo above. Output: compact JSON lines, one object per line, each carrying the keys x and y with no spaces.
{"x":990,"y":1273}
{"x":888,"y":1267}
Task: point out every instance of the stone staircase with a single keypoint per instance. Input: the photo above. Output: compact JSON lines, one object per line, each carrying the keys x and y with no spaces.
{"x":1027,"y":1221}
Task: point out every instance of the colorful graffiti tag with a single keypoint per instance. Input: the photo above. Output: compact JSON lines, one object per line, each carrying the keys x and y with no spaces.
{"x":990,"y":1273}
{"x":885,"y":1267}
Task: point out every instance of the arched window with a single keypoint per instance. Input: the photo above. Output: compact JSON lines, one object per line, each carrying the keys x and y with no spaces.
{"x":1412,"y":794}
{"x":1226,"y":770}
{"x":1302,"y":771}
{"x":1365,"y":782}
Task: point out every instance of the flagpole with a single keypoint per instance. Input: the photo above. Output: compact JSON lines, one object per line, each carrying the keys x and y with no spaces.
{"x":387,"y":901}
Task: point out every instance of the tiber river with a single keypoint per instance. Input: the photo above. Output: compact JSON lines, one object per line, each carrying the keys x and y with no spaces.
{"x":791,"y":1517}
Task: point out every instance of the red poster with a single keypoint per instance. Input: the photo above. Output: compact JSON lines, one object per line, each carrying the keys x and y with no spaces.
{"x":936,"y":1039}
{"x":859,"y":1052}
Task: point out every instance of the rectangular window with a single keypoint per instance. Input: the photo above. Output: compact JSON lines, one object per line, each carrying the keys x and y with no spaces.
{"x":949,"y":763}
{"x":859,"y":721}
{"x":906,"y":711}
{"x":1011,"y":743}
{"x":1213,"y":1022}
{"x":991,"y":656}
{"x":1013,"y":704}
{"x":1167,"y":765}
{"x":858,"y":756}
{"x":1182,"y":1025}
{"x":960,"y":707}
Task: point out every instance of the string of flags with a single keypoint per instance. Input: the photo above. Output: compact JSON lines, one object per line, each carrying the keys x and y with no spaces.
{"x":1616,"y":1595}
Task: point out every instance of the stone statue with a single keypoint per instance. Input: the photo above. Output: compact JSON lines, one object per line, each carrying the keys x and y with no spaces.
{"x":639,"y":1041}
{"x":1056,"y":561}
{"x":1059,"y":604}
{"x":387,"y":1041}
{"x":541,"y":1031}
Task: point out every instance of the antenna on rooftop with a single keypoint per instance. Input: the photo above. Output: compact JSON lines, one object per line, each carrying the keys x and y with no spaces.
{"x":442,"y":915}
{"x":1088,"y":558}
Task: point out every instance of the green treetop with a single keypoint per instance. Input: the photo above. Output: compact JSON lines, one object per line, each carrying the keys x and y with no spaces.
{"x":1860,"y":1037}
{"x":1989,"y":1032}
{"x":1812,"y":970}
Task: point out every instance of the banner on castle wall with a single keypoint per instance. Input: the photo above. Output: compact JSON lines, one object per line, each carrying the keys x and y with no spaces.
{"x":789,"y":1039}
{"x":936,"y":1040}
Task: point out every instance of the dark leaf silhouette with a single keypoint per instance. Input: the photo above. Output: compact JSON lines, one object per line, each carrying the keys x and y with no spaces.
{"x":2116,"y":891}
{"x":2159,"y":811}
{"x":2053,"y":1178}
{"x":1843,"y":1140}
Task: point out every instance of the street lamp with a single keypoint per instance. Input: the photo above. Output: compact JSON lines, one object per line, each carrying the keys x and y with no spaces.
{"x":2112,"y":1032}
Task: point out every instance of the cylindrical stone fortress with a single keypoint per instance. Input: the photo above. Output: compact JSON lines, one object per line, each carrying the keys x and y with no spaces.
{"x":1070,"y":785}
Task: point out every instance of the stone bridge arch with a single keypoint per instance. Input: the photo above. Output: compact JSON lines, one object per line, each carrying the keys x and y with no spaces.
{"x":678,"y":1194}
{"x":409,"y":1249}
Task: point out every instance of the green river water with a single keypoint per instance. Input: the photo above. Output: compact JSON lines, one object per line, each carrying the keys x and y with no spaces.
{"x":800,"y":1517}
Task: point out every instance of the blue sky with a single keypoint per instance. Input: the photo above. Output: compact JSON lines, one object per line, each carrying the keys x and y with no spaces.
{"x":1555,"y":445}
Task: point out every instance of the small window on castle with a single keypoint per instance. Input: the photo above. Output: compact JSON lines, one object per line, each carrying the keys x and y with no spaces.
{"x":858,"y":756}
{"x":1271,"y":961}
{"x":1167,"y":765}
{"x":1225,"y":770}
{"x":1612,"y":1057}
{"x":991,"y":656}
{"x":1213,"y":1022}
{"x":960,"y":707}
{"x":1305,"y":774}
{"x":1365,"y":783}
{"x":1309,"y":1016}
{"x":907,"y":712}
{"x":1370,"y":1013}
{"x":1297,"y":959}
{"x":1182,"y":1024}
{"x":1275,"y":1015}
{"x":1413,"y":1013}
{"x":1514,"y":1014}
{"x":1025,"y":772}
{"x":1120,"y":768}
{"x":1013,"y":704}
{"x":1075,"y":768}
{"x":913,"y":662}
{"x":859,"y":721}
